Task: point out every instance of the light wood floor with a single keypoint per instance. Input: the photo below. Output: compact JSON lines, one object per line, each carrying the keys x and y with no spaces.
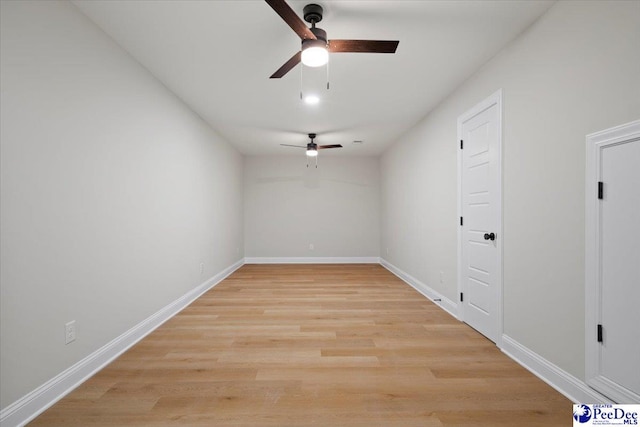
{"x":321,"y":345}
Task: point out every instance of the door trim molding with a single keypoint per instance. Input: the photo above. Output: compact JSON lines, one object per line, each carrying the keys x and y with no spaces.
{"x":493,"y":99}
{"x":595,"y":143}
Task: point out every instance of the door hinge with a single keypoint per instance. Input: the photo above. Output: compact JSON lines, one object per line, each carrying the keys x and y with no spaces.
{"x":461,"y":144}
{"x":461,"y":297}
{"x":599,"y":333}
{"x":600,"y":190}
{"x":461,"y":221}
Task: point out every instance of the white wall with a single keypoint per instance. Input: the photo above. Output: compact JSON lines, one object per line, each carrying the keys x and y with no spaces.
{"x":113,"y":193}
{"x":575,"y":71}
{"x":289,"y":206}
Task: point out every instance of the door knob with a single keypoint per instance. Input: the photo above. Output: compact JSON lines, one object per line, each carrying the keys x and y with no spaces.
{"x":489,"y":236}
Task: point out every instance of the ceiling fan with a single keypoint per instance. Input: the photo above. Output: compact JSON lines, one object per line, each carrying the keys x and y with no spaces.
{"x":312,"y":148}
{"x":315,"y":45}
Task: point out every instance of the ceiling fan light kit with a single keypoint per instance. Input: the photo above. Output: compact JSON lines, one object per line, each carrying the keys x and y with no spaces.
{"x":312,"y":151}
{"x":314,"y":53}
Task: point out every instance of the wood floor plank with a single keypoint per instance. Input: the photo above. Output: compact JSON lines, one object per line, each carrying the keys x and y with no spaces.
{"x":312,"y":345}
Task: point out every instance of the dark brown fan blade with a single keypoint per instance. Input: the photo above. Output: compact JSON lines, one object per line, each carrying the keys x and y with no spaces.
{"x":289,"y":16}
{"x":364,"y":46}
{"x":322,"y":147}
{"x":295,"y":59}
{"x":297,"y":146}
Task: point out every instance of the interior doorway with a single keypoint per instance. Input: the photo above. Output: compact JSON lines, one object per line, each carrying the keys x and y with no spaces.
{"x":480,"y":209}
{"x":612,"y":262}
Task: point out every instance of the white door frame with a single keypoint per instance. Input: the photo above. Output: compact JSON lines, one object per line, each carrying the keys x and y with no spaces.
{"x":596,"y":142}
{"x":493,"y":99}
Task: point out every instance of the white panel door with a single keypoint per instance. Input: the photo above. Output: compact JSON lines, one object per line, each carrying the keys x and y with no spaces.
{"x":617,"y":285}
{"x":480,"y":230}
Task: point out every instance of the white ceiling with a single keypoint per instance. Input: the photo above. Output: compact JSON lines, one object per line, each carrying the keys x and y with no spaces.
{"x":217,"y":56}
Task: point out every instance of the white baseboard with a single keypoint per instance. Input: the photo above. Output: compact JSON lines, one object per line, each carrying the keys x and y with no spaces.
{"x":33,"y":404}
{"x":445,"y":303}
{"x":311,"y":260}
{"x":574,"y":389}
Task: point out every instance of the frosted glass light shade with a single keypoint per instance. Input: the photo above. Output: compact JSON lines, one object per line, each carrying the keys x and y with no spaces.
{"x":314,"y":53}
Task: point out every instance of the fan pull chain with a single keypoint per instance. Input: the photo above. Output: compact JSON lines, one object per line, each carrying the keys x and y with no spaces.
{"x":328,"y":74}
{"x":301,"y":97}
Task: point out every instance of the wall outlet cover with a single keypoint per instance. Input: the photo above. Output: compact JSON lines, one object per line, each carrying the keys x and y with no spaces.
{"x":69,"y":332}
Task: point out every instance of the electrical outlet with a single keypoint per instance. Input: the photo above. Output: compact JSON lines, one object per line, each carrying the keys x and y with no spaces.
{"x":441,"y":276}
{"x":201,"y":268}
{"x":70,"y":332}
{"x":387,"y":251}
{"x":311,"y":247}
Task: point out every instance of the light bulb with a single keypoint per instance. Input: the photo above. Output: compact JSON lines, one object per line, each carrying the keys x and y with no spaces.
{"x":314,"y":53}
{"x":311,"y":99}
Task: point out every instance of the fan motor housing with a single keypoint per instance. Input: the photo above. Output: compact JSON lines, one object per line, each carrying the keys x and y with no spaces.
{"x":319,"y":33}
